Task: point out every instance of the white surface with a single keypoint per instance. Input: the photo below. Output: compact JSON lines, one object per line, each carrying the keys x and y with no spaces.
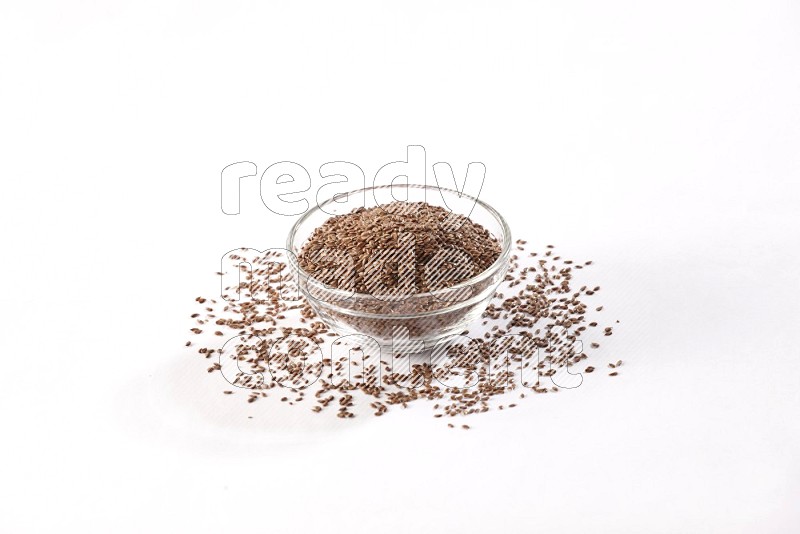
{"x":661,"y":141}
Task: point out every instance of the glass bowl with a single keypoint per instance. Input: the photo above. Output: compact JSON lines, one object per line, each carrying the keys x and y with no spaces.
{"x":418,"y":319}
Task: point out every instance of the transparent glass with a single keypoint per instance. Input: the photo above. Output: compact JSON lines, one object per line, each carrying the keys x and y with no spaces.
{"x":421,"y":317}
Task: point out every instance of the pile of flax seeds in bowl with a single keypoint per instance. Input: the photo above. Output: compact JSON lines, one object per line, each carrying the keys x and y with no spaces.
{"x":537,"y":333}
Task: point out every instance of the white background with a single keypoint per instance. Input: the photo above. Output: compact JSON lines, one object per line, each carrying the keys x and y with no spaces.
{"x":661,"y":140}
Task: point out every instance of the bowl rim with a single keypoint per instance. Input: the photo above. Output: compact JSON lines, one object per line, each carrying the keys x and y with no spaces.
{"x":502,"y":259}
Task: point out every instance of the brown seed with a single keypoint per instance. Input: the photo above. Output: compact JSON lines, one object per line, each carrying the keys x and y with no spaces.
{"x":537,"y":295}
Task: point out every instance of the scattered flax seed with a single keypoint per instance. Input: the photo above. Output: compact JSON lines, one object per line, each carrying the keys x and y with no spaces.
{"x":465,"y":427}
{"x":613,"y":374}
{"x":277,"y":340}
